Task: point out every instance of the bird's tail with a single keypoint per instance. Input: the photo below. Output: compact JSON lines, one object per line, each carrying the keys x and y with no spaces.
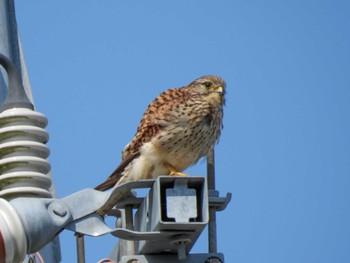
{"x":109,"y":183}
{"x":114,"y":178}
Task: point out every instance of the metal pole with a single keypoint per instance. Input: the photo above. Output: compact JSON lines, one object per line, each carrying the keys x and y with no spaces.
{"x":9,"y":45}
{"x":211,"y":170}
{"x":129,"y":224}
{"x":80,"y":248}
{"x":212,"y":246}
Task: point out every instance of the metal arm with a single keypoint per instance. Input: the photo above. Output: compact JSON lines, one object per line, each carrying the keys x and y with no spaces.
{"x":30,"y":223}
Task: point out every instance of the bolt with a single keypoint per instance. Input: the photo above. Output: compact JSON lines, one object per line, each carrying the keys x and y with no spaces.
{"x":59,"y":209}
{"x":213,"y":260}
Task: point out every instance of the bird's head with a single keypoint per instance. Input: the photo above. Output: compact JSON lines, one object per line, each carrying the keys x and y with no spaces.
{"x":212,"y":88}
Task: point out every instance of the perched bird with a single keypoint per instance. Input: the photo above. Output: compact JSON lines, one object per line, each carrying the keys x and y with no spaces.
{"x":178,"y":128}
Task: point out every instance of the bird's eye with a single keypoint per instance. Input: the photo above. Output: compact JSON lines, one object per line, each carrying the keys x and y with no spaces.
{"x":207,"y":84}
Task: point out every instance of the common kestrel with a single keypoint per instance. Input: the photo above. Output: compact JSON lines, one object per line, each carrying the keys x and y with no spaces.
{"x":178,"y":128}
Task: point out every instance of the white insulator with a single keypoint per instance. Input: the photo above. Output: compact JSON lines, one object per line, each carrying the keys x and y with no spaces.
{"x":24,"y":169}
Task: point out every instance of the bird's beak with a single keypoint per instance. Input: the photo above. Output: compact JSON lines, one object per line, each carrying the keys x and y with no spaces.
{"x":219,"y":90}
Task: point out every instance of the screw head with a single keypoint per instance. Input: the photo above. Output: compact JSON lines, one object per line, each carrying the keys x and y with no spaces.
{"x":59,"y":209}
{"x":213,"y":260}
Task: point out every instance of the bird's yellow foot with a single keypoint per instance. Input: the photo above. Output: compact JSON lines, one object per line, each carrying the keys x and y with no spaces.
{"x":177,"y":173}
{"x":173,"y":171}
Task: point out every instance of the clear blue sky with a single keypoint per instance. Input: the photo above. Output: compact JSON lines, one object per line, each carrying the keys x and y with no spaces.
{"x":285,"y":150}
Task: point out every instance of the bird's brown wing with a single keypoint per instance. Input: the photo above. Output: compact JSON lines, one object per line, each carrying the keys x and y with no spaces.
{"x":159,"y":114}
{"x":148,"y":127}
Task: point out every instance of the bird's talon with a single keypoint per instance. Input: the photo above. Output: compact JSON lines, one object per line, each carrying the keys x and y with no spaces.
{"x":175,"y":173}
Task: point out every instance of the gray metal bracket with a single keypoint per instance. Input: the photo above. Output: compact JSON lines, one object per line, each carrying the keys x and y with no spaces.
{"x":76,"y":212}
{"x":94,"y":225}
{"x":54,"y":214}
{"x":81,"y":213}
{"x":219,"y":203}
{"x":86,"y":222}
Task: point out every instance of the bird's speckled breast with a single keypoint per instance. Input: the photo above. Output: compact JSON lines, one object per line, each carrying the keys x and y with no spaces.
{"x":183,"y":144}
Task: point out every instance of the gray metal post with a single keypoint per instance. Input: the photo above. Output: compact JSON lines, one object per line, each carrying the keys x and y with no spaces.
{"x":80,"y":248}
{"x":212,"y":244}
{"x":10,"y":46}
{"x":129,"y":224}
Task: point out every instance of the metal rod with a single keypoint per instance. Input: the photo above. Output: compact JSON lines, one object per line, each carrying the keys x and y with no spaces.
{"x":211,"y":170}
{"x":16,"y":96}
{"x":212,"y":242}
{"x":127,"y":247}
{"x":9,"y":44}
{"x":212,"y":247}
{"x":80,"y":248}
{"x":129,"y":224}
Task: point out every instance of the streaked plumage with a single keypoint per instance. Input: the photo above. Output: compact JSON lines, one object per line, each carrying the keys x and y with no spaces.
{"x":178,"y":128}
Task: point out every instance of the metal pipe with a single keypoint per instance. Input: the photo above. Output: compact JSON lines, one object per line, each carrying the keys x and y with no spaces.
{"x":9,"y":44}
{"x":80,"y":248}
{"x":129,"y":224}
{"x":16,"y":96}
{"x":211,"y":170}
{"x":212,"y":242}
